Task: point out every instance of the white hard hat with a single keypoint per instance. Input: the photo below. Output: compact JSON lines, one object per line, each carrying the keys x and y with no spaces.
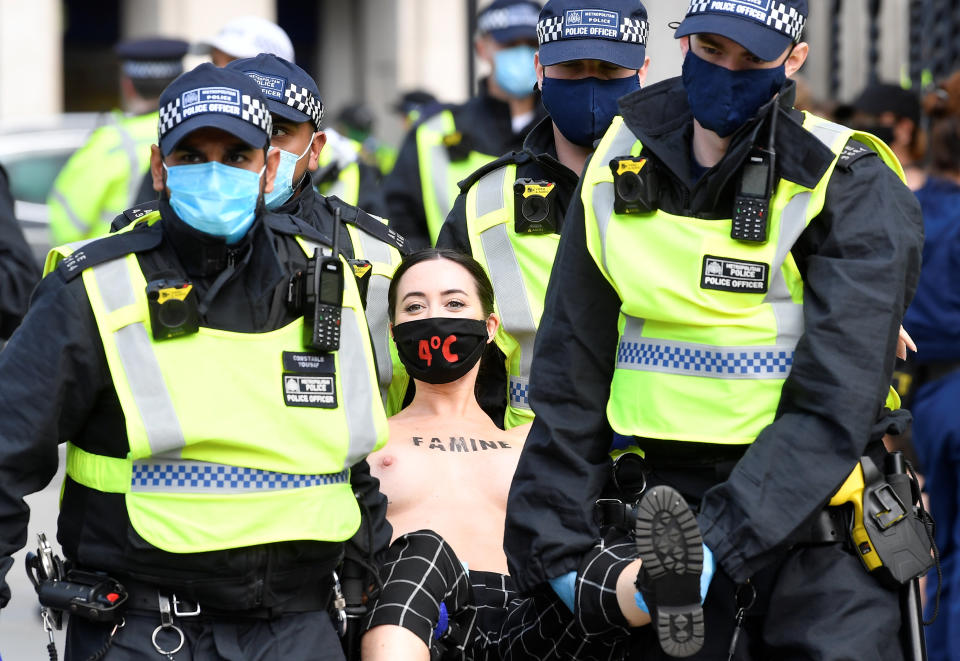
{"x":248,"y":36}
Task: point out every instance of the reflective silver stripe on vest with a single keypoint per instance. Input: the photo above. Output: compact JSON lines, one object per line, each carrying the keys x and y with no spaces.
{"x":78,"y":223}
{"x":439,"y":165}
{"x":139,"y":362}
{"x":509,"y":289}
{"x":358,"y":398}
{"x":185,"y":476}
{"x":130,"y":147}
{"x":378,"y":321}
{"x":603,"y":194}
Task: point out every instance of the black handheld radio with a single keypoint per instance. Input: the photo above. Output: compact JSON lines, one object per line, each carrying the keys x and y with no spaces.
{"x":324,"y":296}
{"x":751,"y":206}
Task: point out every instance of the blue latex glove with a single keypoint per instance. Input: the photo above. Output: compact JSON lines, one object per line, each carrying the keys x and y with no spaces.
{"x":565,"y":587}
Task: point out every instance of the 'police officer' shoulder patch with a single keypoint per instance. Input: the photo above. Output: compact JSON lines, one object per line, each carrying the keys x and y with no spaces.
{"x":735,"y":275}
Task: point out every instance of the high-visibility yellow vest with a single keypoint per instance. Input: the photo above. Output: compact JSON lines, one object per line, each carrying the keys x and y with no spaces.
{"x":439,"y":174}
{"x":102,"y":178}
{"x":228,"y":445}
{"x":696,"y":363}
{"x":346,"y":153}
{"x":519,"y":267}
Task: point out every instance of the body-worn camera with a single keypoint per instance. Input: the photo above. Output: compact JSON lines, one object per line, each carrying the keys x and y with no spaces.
{"x":535,"y":206}
{"x":634,"y":185}
{"x":173,"y":308}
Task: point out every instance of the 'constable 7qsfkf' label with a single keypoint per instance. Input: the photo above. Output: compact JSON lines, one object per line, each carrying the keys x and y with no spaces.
{"x":737,"y":275}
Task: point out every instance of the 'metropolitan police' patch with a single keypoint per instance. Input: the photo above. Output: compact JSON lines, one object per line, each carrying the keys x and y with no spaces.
{"x":315,"y":391}
{"x":736,"y":275}
{"x":271,"y":86}
{"x":591,"y":23}
{"x":223,"y":100}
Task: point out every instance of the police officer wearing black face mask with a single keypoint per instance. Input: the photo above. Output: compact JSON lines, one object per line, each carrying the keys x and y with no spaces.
{"x":455,"y":140}
{"x":726,"y":297}
{"x":582,"y":70}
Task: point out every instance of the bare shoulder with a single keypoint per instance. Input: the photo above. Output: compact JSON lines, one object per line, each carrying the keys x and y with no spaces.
{"x":518,"y":435}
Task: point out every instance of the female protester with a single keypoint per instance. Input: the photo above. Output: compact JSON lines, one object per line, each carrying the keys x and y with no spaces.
{"x":447,"y":467}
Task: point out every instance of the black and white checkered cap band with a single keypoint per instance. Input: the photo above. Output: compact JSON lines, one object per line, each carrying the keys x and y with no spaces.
{"x":300,"y":98}
{"x":152,"y":69}
{"x":785,"y":20}
{"x":252,"y":110}
{"x":632,"y":30}
{"x":517,"y":16}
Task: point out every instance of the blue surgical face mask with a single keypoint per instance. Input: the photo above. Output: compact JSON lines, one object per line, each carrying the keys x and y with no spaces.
{"x":582,"y":109}
{"x":283,"y":184}
{"x":723,"y":100}
{"x":514,"y":71}
{"x":214,"y":198}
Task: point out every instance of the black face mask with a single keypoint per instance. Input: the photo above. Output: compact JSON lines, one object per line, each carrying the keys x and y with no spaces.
{"x":440,"y":349}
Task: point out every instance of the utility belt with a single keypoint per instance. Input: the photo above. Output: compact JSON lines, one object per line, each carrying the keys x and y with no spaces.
{"x":874,"y":512}
{"x":98,"y":597}
{"x":146,"y":597}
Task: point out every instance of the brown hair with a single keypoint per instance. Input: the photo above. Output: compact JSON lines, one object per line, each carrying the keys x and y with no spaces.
{"x":480,"y":279}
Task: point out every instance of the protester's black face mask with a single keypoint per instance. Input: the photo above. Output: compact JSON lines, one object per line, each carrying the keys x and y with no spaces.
{"x":440,"y":349}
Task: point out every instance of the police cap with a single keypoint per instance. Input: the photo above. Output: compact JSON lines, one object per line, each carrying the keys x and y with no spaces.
{"x":291,"y":92}
{"x":763,"y":28}
{"x":208,"y":96}
{"x":152,"y":59}
{"x":509,"y":20}
{"x":247,"y":36}
{"x":613,"y":31}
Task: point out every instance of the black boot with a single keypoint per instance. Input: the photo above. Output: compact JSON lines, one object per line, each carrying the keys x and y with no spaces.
{"x":669,"y":543}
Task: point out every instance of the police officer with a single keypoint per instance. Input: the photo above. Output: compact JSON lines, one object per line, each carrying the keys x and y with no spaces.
{"x":297,"y":111}
{"x":18,"y":270}
{"x":747,"y":355}
{"x":451,"y":144}
{"x":104,"y":176}
{"x":509,"y":214}
{"x":247,"y":36}
{"x":216,"y":445}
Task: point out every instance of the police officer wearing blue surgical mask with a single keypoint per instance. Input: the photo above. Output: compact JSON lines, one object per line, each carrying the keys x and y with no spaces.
{"x":727,"y":297}
{"x":456,"y":140}
{"x":590,"y":55}
{"x":297,"y":110}
{"x":215,"y":448}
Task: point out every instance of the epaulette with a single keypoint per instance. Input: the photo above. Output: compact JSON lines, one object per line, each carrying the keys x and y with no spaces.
{"x":294,"y":226}
{"x":134,"y":214}
{"x":110,"y":247}
{"x":853,"y":151}
{"x":372,"y":225}
{"x":513,"y":158}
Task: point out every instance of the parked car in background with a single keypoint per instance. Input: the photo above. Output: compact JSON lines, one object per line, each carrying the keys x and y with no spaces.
{"x":33,"y":151}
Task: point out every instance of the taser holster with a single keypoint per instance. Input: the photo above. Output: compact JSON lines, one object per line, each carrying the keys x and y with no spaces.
{"x":888,"y":535}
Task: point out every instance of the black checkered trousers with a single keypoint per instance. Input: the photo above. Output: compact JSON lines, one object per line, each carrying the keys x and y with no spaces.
{"x":488,"y":619}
